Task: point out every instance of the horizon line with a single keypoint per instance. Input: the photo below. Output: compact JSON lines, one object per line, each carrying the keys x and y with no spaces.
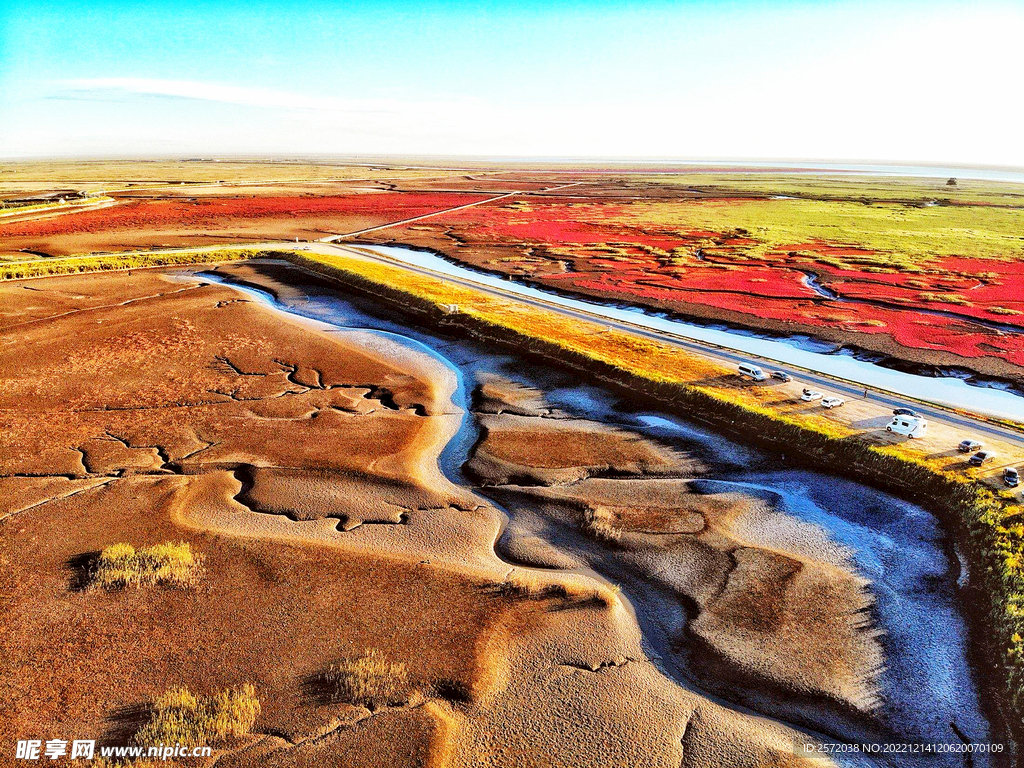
{"x":491,"y":158}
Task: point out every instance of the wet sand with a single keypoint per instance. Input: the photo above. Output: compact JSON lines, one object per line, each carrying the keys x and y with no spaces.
{"x":305,"y":463}
{"x":816,"y":530}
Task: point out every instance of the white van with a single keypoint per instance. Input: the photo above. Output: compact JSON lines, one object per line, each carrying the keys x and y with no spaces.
{"x":753,"y":372}
{"x":911,"y":426}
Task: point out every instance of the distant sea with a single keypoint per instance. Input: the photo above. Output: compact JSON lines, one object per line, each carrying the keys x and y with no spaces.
{"x":1013,"y":175}
{"x":927,"y":171}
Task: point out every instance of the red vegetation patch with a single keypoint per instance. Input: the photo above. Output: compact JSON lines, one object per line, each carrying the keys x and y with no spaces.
{"x":639,"y":261}
{"x":909,"y":328}
{"x":932,"y":310}
{"x":211,"y":212}
{"x":649,"y":276}
{"x":970,"y":288}
{"x":559,"y":223}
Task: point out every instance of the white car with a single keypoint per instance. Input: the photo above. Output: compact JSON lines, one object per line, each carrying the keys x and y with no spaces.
{"x":832,"y":402}
{"x":753,"y":372}
{"x":810,"y":395}
{"x":911,"y":426}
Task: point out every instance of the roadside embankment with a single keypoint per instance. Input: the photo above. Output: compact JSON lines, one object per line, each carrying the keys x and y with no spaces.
{"x":16,"y":211}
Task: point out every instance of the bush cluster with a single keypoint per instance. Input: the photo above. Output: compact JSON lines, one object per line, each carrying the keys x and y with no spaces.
{"x":121,"y":565}
{"x":181,"y":717}
{"x":369,"y":680}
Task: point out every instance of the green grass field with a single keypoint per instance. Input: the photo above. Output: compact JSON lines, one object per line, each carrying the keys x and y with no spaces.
{"x":901,"y":237}
{"x":106,"y":174}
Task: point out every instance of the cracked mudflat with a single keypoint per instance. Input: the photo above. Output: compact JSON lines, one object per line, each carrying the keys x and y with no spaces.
{"x":362,"y":486}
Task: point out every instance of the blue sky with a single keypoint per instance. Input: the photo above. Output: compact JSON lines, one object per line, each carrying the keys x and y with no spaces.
{"x":935,"y":81}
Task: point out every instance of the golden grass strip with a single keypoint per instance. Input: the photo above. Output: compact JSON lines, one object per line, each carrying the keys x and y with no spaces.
{"x":19,"y":270}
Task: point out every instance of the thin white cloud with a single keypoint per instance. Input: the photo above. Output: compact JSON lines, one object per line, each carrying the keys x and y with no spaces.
{"x":237,"y":95}
{"x":822,"y":111}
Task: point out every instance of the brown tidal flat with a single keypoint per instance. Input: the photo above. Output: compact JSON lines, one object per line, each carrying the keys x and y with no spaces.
{"x":767,"y":618}
{"x":301,"y":464}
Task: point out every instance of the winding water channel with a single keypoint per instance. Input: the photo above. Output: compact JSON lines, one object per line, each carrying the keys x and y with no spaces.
{"x":954,"y":390}
{"x":928,"y":690}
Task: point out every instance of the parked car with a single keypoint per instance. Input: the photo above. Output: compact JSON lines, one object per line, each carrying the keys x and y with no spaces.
{"x":753,"y":372}
{"x":969,"y":446}
{"x":810,"y":395}
{"x":781,"y":376}
{"x":1011,"y":477}
{"x":982,"y":457}
{"x":905,"y":412}
{"x":911,"y":426}
{"x":832,"y":402}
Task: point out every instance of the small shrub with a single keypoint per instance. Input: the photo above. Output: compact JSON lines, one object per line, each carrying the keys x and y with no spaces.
{"x":529,"y":586}
{"x":944,"y":298}
{"x":369,"y":680}
{"x":510,"y":589}
{"x":182,"y":718}
{"x":121,"y":565}
{"x":598,"y":525}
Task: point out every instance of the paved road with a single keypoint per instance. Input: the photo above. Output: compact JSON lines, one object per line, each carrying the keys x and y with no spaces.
{"x":719,"y":354}
{"x":336,"y":238}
